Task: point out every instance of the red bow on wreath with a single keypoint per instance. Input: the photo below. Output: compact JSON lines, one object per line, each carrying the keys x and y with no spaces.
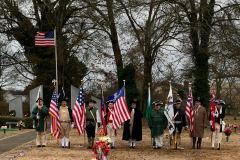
{"x":102,"y":146}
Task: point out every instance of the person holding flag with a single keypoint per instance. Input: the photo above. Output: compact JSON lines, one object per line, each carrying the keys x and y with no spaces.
{"x":179,"y":121}
{"x":39,"y":115}
{"x":54,"y":112}
{"x":133,"y":128}
{"x":217,"y":123}
{"x":92,"y":118}
{"x":111,"y":132}
{"x":66,"y":122}
{"x":157,"y":123}
{"x":169,"y":113}
{"x":117,"y":113}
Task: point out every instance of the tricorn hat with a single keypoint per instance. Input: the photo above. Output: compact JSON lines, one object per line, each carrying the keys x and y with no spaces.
{"x":92,"y":101}
{"x":39,"y":98}
{"x":178,"y":101}
{"x":198,"y":99}
{"x":221,"y":102}
{"x":157,"y":103}
{"x":134,"y":100}
{"x":65,"y":99}
{"x":110,"y":100}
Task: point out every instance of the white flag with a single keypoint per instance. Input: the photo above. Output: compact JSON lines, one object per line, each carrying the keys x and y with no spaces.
{"x":169,"y":111}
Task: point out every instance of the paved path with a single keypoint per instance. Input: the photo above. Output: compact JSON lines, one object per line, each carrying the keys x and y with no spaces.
{"x":12,"y":142}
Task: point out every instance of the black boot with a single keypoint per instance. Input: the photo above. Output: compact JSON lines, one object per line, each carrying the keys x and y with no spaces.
{"x":219,"y":146}
{"x":194,"y":142}
{"x":89,"y":143}
{"x":199,"y":143}
{"x":92,"y":141}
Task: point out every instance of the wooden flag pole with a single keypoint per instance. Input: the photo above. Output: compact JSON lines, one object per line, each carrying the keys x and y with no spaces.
{"x":56,"y":59}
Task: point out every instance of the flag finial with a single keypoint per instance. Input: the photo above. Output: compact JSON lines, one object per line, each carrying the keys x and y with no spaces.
{"x":54,"y":81}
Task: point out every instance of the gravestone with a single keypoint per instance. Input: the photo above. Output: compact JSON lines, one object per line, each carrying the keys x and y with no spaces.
{"x":16,"y":104}
{"x":33,"y":96}
{"x":74,"y":94}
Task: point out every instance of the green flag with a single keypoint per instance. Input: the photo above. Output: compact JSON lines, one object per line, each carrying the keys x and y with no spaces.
{"x":149,"y":106}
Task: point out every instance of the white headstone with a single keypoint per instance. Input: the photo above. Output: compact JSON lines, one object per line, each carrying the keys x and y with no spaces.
{"x":16,"y":104}
{"x":33,"y":96}
{"x":74,"y":94}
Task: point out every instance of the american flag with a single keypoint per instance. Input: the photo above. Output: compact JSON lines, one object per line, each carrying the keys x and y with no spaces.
{"x":79,"y":112}
{"x":53,"y":110}
{"x":45,"y":39}
{"x":189,"y":109}
{"x":213,"y":109}
{"x":120,"y":109}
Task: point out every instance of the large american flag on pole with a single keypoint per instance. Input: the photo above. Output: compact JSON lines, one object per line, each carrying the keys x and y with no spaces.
{"x":79,"y":112}
{"x":53,"y":110}
{"x":120,"y":109}
{"x":45,"y":39}
{"x":189,"y":109}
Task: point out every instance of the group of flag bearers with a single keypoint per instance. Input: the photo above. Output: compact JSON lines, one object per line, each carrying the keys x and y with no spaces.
{"x":159,"y":117}
{"x":158,"y":122}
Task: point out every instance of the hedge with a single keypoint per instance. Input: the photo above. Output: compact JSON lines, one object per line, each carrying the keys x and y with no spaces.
{"x":27,"y":121}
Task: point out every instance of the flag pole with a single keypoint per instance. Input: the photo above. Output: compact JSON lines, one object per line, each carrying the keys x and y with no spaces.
{"x":56,"y":58}
{"x":148,"y":105}
{"x":104,"y":111}
{"x":166,"y":106}
{"x":84,"y":132}
{"x":124,"y":85}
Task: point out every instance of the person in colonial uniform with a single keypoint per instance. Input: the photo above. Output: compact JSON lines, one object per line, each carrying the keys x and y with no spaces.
{"x":92,"y":118}
{"x":39,"y":115}
{"x":199,"y":123}
{"x":111,"y":132}
{"x":133,"y":128}
{"x":157,"y":123}
{"x":66,"y":120}
{"x":179,"y":121}
{"x":219,"y":115}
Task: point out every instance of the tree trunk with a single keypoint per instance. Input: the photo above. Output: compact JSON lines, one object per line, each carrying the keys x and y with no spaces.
{"x":115,"y":42}
{"x":201,"y":73}
{"x":218,"y":88}
{"x":146,"y":79}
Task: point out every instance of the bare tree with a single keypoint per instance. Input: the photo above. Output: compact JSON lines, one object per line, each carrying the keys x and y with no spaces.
{"x":199,"y":18}
{"x":153,"y":26}
{"x":103,"y":13}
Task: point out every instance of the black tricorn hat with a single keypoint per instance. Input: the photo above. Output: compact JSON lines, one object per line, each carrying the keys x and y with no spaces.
{"x":178,"y":101}
{"x":92,"y":101}
{"x":65,"y":99}
{"x":198,"y":99}
{"x":39,"y":98}
{"x":109,"y":101}
{"x":134,"y":100}
{"x":157,"y":103}
{"x":221,"y":102}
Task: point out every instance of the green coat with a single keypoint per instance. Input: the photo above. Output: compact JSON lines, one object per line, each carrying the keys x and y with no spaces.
{"x":43,"y":113}
{"x":157,"y":122}
{"x":89,"y":115}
